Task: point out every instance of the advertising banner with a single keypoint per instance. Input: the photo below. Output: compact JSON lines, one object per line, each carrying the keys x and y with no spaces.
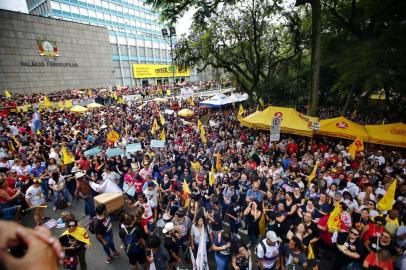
{"x":141,"y":71}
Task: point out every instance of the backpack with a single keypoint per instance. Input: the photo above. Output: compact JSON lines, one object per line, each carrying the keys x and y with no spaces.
{"x":131,"y":242}
{"x":261,"y":242}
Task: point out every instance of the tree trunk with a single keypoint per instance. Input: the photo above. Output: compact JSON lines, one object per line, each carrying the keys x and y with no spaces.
{"x":315,"y":60}
{"x":348,"y":100}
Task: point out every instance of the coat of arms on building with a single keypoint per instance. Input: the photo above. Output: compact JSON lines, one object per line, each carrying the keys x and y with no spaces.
{"x":47,"y":48}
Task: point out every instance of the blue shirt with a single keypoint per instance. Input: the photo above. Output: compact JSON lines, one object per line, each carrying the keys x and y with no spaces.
{"x":254,"y":195}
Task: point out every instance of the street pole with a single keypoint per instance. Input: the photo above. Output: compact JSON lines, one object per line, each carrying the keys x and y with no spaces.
{"x":173,"y":68}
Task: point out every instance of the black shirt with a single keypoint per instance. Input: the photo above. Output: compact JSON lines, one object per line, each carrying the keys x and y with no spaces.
{"x":68,"y":241}
{"x":102,"y":226}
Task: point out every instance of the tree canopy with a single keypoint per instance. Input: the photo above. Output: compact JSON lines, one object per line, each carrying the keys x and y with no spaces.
{"x":265,"y":46}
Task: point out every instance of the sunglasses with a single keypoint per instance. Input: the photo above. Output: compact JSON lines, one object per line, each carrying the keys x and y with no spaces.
{"x":71,"y":226}
{"x":354,"y":233}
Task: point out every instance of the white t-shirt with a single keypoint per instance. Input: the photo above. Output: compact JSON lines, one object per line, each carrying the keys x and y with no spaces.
{"x":35,"y":195}
{"x":61,"y":182}
{"x":152,"y":196}
{"x":268,"y":256}
{"x":196,"y":233}
{"x":112,"y":176}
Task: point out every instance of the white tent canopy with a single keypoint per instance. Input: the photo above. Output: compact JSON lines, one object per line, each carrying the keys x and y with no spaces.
{"x":220,"y":100}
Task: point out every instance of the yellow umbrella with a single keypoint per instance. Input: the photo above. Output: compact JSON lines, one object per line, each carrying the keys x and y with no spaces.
{"x":158,"y":99}
{"x":185,"y":113}
{"x":94,"y":105}
{"x":79,"y":109}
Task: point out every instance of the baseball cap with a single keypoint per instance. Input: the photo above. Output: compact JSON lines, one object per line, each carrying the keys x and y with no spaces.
{"x":271,"y":235}
{"x":168,"y":227}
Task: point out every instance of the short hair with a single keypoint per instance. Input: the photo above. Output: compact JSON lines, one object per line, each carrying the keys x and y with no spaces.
{"x":100,"y":209}
{"x":154,"y":242}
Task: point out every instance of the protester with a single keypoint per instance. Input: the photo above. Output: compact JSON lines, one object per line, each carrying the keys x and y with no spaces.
{"x":257,"y":185}
{"x":104,"y":233}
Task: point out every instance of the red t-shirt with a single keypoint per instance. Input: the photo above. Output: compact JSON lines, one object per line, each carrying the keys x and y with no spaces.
{"x":372,"y":260}
{"x":138,"y":184}
{"x":291,"y":148}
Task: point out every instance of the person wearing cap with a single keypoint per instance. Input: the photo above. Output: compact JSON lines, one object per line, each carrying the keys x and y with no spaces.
{"x":268,"y":251}
{"x":171,"y":241}
{"x":85,"y":192}
{"x":35,"y":198}
{"x":183,"y":225}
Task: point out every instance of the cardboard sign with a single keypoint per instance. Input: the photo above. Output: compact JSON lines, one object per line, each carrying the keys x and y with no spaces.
{"x":92,"y":152}
{"x":112,"y":152}
{"x":157,"y":143}
{"x":134,"y":147}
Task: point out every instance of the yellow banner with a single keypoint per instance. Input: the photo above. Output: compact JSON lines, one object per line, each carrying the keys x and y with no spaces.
{"x":141,"y":71}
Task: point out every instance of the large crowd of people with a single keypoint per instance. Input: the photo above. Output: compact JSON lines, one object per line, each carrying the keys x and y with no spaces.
{"x":249,"y":200}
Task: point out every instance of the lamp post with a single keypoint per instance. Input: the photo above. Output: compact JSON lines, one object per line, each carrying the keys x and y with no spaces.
{"x":168,"y":36}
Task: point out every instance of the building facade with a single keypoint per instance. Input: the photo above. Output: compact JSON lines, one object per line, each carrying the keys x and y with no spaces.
{"x":40,"y":54}
{"x":134,"y":32}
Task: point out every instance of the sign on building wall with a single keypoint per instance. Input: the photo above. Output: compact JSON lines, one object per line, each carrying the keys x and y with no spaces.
{"x":141,"y":71}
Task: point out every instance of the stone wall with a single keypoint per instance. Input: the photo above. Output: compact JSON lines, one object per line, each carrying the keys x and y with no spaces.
{"x":84,"y":61}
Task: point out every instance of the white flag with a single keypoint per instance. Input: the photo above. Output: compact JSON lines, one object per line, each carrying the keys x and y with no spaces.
{"x":192,"y":258}
{"x":201,"y":258}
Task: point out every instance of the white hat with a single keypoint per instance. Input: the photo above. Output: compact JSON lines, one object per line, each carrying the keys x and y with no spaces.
{"x":79,"y":174}
{"x":166,"y":216}
{"x":168,"y":227}
{"x":75,"y":170}
{"x":271,"y":235}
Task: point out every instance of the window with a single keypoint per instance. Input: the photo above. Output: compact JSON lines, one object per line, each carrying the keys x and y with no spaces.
{"x":92,"y":13}
{"x":74,"y":9}
{"x":99,"y":15}
{"x":105,"y":4}
{"x":98,"y":3}
{"x":163,"y":53}
{"x":55,"y":5}
{"x":123,"y":50}
{"x":133,"y":51}
{"x":83,"y":12}
{"x":149,"y":52}
{"x":141,"y":51}
{"x":156,"y":53}
{"x":65,"y":7}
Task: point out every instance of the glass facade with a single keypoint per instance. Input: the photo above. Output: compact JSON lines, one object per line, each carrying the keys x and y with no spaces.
{"x":134,"y":30}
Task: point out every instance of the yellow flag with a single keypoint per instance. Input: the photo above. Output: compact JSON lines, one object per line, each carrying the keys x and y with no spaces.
{"x":155,"y":126}
{"x":262,"y":226}
{"x":12,"y":147}
{"x":356,"y":146}
{"x":68,"y":104}
{"x":192,"y":103}
{"x":7,"y":94}
{"x":240,"y":112}
{"x":212,"y":176}
{"x":312,"y":174}
{"x":67,"y":158}
{"x":60,"y":105}
{"x":185,"y":187}
{"x":386,"y":203}
{"x":38,"y":132}
{"x":218,"y":161}
{"x":120,"y":100}
{"x":334,"y":220}
{"x":310,"y":253}
{"x":168,"y":92}
{"x":163,"y":138}
{"x":79,"y":234}
{"x":204,"y":139}
{"x":47,"y":103}
{"x":89,"y":93}
{"x":200,"y":126}
{"x":161,"y":119}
